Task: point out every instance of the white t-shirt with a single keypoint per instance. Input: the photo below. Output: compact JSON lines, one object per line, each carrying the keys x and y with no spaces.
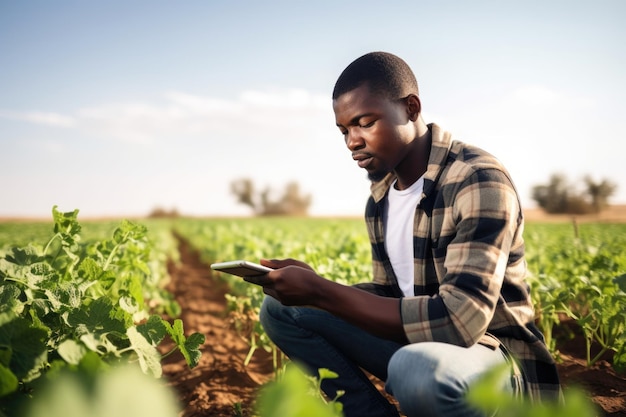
{"x":398,"y":218}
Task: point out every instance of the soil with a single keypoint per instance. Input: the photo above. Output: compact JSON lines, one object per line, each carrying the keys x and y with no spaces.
{"x":222,"y":386}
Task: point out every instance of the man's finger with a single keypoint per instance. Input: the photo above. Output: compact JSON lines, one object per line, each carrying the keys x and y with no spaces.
{"x":261,"y":280}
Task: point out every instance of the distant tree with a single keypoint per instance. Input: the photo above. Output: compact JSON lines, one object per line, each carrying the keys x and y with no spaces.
{"x":290,"y":203}
{"x":553,"y":196}
{"x":559,"y":196}
{"x":599,"y":192}
{"x":244,"y":191}
{"x":161,"y":213}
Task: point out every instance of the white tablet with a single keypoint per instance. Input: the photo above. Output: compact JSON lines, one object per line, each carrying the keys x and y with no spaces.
{"x":241,"y":268}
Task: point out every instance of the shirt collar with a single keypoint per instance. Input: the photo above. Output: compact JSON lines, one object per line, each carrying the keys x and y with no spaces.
{"x":439,"y":149}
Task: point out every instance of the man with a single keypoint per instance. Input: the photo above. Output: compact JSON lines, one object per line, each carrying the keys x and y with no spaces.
{"x":448,"y":300}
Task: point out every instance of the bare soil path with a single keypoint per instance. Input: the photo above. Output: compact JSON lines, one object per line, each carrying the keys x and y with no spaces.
{"x":221,"y":386}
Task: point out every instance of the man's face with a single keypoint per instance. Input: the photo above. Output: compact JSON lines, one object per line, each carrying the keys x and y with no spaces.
{"x":376,"y":130}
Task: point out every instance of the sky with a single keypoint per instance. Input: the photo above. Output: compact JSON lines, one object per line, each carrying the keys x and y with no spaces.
{"x":116,"y":108}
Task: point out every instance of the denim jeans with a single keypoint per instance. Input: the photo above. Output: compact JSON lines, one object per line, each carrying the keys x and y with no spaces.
{"x":427,"y":379}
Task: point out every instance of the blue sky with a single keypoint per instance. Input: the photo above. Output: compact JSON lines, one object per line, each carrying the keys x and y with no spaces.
{"x":118,"y":107}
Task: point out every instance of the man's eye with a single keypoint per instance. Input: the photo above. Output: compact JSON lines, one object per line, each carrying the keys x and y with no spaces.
{"x":369,"y":124}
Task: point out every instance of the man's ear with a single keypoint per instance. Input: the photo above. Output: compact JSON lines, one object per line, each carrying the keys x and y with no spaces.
{"x":413,"y":107}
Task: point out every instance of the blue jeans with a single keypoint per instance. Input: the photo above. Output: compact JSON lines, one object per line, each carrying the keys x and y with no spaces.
{"x":427,"y":379}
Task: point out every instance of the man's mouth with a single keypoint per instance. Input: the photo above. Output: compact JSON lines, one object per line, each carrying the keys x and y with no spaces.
{"x":362,"y":159}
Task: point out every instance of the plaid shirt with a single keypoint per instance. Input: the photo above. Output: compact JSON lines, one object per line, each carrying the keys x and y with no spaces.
{"x":469,"y":260}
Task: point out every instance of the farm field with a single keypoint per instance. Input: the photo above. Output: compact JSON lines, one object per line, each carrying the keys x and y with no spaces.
{"x":237,"y":358}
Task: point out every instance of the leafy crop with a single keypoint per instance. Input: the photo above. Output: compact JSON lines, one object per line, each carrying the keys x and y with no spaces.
{"x":337,"y":249}
{"x":493,"y":402}
{"x":120,"y":391}
{"x":64,"y":303}
{"x":582,"y":278}
{"x":577,"y":274}
{"x":295,"y":394}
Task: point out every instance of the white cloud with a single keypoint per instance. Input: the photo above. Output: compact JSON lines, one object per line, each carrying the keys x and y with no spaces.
{"x":290,"y":99}
{"x":275,"y":114}
{"x":273,"y":137}
{"x":193,"y":104}
{"x":272,"y":114}
{"x":38,"y":117}
{"x":277,"y":136}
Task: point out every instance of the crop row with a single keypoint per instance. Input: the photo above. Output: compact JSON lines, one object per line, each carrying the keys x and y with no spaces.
{"x":75,"y":306}
{"x":577,"y":271}
{"x":80,"y":299}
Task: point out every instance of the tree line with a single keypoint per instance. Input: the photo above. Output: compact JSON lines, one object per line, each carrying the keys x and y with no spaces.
{"x":558,"y":196}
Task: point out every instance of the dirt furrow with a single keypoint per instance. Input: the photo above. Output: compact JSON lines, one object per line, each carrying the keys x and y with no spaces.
{"x":220,"y":384}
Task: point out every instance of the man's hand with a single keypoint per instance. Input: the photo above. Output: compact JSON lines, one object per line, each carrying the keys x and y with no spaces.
{"x":295,"y":283}
{"x":292,"y":282}
{"x":281,"y":263}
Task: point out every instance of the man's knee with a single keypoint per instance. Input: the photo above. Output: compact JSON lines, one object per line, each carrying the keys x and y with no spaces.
{"x":412,"y":380}
{"x":420,"y":379}
{"x":432,"y":379}
{"x":269,"y":312}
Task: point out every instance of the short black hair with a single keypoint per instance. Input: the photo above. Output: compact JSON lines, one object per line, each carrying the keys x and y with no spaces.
{"x":386,"y":74}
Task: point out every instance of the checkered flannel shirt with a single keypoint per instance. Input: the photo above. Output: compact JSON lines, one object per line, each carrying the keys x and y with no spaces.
{"x":469,"y":261}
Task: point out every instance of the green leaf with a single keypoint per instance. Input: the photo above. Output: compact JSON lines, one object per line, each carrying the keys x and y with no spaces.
{"x":96,"y":322}
{"x":90,"y":270}
{"x":292,"y":396}
{"x":28,"y":347}
{"x":485,"y":395}
{"x":71,"y":351}
{"x":98,"y":317}
{"x":129,"y":230}
{"x":621,"y":282}
{"x":66,"y":223}
{"x":154,"y":329}
{"x":149,"y":357}
{"x":189,"y":347}
{"x":135,"y":291}
{"x":8,"y":381}
{"x":192,"y":347}
{"x":121,"y":391}
{"x":619,"y":358}
{"x":5,"y":355}
{"x":10,"y":306}
{"x":23,"y":256}
{"x":325,"y":373}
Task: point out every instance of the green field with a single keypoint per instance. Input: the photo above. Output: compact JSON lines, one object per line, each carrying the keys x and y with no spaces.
{"x":57,"y":270}
{"x":574,"y":268}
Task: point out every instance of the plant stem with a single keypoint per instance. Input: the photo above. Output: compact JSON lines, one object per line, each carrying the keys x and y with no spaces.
{"x":253,"y":346}
{"x":115,"y":248}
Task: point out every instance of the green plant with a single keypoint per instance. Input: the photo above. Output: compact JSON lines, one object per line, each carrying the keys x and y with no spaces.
{"x":483,"y":396}
{"x":295,"y":394}
{"x":64,"y":301}
{"x":120,"y":391}
{"x":572,"y":270}
{"x":575,"y":279}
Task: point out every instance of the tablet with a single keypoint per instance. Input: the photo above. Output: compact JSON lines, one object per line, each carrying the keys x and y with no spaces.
{"x":241,"y":268}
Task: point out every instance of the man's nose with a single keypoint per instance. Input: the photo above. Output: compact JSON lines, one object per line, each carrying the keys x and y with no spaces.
{"x":354,"y":140}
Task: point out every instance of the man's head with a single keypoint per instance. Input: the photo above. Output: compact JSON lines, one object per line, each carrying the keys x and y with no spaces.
{"x":378,"y":112}
{"x":386,"y":74}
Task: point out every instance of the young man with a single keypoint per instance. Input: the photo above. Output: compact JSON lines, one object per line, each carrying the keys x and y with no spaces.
{"x":448,"y":300}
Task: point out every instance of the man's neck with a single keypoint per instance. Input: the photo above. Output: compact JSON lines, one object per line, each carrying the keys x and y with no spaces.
{"x":416,"y":161}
